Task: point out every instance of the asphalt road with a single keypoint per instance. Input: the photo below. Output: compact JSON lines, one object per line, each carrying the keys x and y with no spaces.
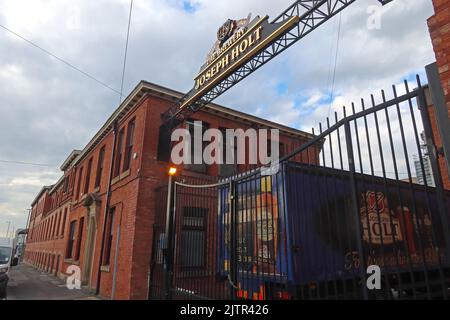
{"x":27,"y":283}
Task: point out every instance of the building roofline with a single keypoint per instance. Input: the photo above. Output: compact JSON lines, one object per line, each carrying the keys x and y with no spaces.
{"x":69,"y":160}
{"x":44,"y":188}
{"x":56,"y":185}
{"x":230,"y":112}
{"x":145,"y":87}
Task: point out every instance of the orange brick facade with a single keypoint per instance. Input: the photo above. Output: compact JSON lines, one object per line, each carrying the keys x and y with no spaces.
{"x":67,"y":219}
{"x":439,"y":26}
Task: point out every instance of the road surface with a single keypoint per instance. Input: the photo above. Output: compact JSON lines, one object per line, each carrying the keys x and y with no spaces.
{"x":27,"y":283}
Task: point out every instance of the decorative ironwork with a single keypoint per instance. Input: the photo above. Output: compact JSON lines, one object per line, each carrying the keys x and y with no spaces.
{"x":312,"y":13}
{"x":341,"y":202}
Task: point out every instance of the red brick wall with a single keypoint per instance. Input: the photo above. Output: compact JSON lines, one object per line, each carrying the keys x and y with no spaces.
{"x":48,"y":239}
{"x":439,"y":26}
{"x":132,"y":195}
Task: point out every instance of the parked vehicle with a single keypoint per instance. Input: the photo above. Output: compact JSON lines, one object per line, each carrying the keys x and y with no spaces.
{"x":6,"y":262}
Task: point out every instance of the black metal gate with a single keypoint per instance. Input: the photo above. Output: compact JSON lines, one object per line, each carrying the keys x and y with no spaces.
{"x":320,"y":224}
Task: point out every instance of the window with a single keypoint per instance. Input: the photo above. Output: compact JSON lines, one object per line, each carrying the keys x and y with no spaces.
{"x":72,"y":179}
{"x":196,"y":164}
{"x":64,"y":222}
{"x":58,"y":226}
{"x":109,"y":236}
{"x":101,"y":158}
{"x":129,"y":146}
{"x":66,"y":184}
{"x":80,"y":174}
{"x":283,"y":149}
{"x":54,"y":225}
{"x":228,"y":147}
{"x":88,"y":176}
{"x":5,"y":255}
{"x":193,"y":237}
{"x":69,"y":251}
{"x":119,"y":153}
{"x":79,"y":239}
{"x":47,"y":232}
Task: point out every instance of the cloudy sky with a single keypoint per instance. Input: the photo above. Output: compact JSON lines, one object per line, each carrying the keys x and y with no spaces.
{"x":48,"y":109}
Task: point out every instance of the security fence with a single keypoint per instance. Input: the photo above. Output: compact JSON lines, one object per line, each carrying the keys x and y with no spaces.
{"x":341,"y":217}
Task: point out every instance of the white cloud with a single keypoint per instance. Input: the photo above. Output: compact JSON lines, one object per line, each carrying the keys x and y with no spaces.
{"x":49,"y":109}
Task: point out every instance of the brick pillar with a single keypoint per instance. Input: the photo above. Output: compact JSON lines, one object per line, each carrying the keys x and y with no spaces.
{"x":439,"y":27}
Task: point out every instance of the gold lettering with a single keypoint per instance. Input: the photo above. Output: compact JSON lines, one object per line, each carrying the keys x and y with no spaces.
{"x":215,"y":68}
{"x":225,"y":61}
{"x":258,"y":33}
{"x":244,"y":45}
{"x":251,"y":40}
{"x":235,"y":53}
{"x":202,"y":80}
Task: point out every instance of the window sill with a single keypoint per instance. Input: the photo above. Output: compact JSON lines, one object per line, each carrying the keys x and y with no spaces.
{"x":116,"y":179}
{"x":105,"y":269}
{"x":68,"y":261}
{"x":125,"y":174}
{"x":77,"y":263}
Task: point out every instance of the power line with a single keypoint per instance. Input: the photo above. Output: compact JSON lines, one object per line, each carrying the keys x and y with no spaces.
{"x":126,"y":51}
{"x":335,"y":64}
{"x":28,"y":163}
{"x":330,"y":63}
{"x":60,"y":59}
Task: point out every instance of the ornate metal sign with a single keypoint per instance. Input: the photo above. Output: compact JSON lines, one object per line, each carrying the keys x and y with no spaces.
{"x":238,"y":41}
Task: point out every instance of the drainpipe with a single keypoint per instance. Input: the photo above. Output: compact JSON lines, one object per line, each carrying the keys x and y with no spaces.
{"x":105,"y":215}
{"x":28,"y":221}
{"x":116,"y":258}
{"x":25,"y":239}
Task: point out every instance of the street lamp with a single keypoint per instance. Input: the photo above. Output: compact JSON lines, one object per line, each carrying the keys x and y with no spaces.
{"x":169,"y":233}
{"x":172,"y":171}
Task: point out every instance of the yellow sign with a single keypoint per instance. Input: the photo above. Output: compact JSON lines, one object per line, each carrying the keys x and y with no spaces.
{"x":238,"y":42}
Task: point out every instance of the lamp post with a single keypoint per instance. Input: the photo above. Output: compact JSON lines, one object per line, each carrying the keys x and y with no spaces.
{"x":7,"y":230}
{"x":169,"y":238}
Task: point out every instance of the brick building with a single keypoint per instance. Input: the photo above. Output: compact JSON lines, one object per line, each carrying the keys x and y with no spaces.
{"x":439,"y":26}
{"x":115,"y":176}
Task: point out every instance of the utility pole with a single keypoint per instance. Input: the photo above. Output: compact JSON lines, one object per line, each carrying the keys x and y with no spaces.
{"x":27,"y":227}
{"x":7,"y":230}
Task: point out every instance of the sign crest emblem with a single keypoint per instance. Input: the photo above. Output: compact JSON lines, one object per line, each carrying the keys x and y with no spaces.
{"x":226,"y":31}
{"x":238,"y":41}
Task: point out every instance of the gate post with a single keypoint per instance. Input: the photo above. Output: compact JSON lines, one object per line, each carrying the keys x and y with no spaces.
{"x":169,"y":239}
{"x":233,"y":222}
{"x":431,"y":147}
{"x":440,"y":109}
{"x":351,"y":164}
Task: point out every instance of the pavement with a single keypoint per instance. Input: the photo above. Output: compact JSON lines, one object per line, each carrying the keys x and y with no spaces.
{"x":27,"y":283}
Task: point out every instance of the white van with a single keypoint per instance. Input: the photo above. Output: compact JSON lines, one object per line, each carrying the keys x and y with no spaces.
{"x":6,"y":262}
